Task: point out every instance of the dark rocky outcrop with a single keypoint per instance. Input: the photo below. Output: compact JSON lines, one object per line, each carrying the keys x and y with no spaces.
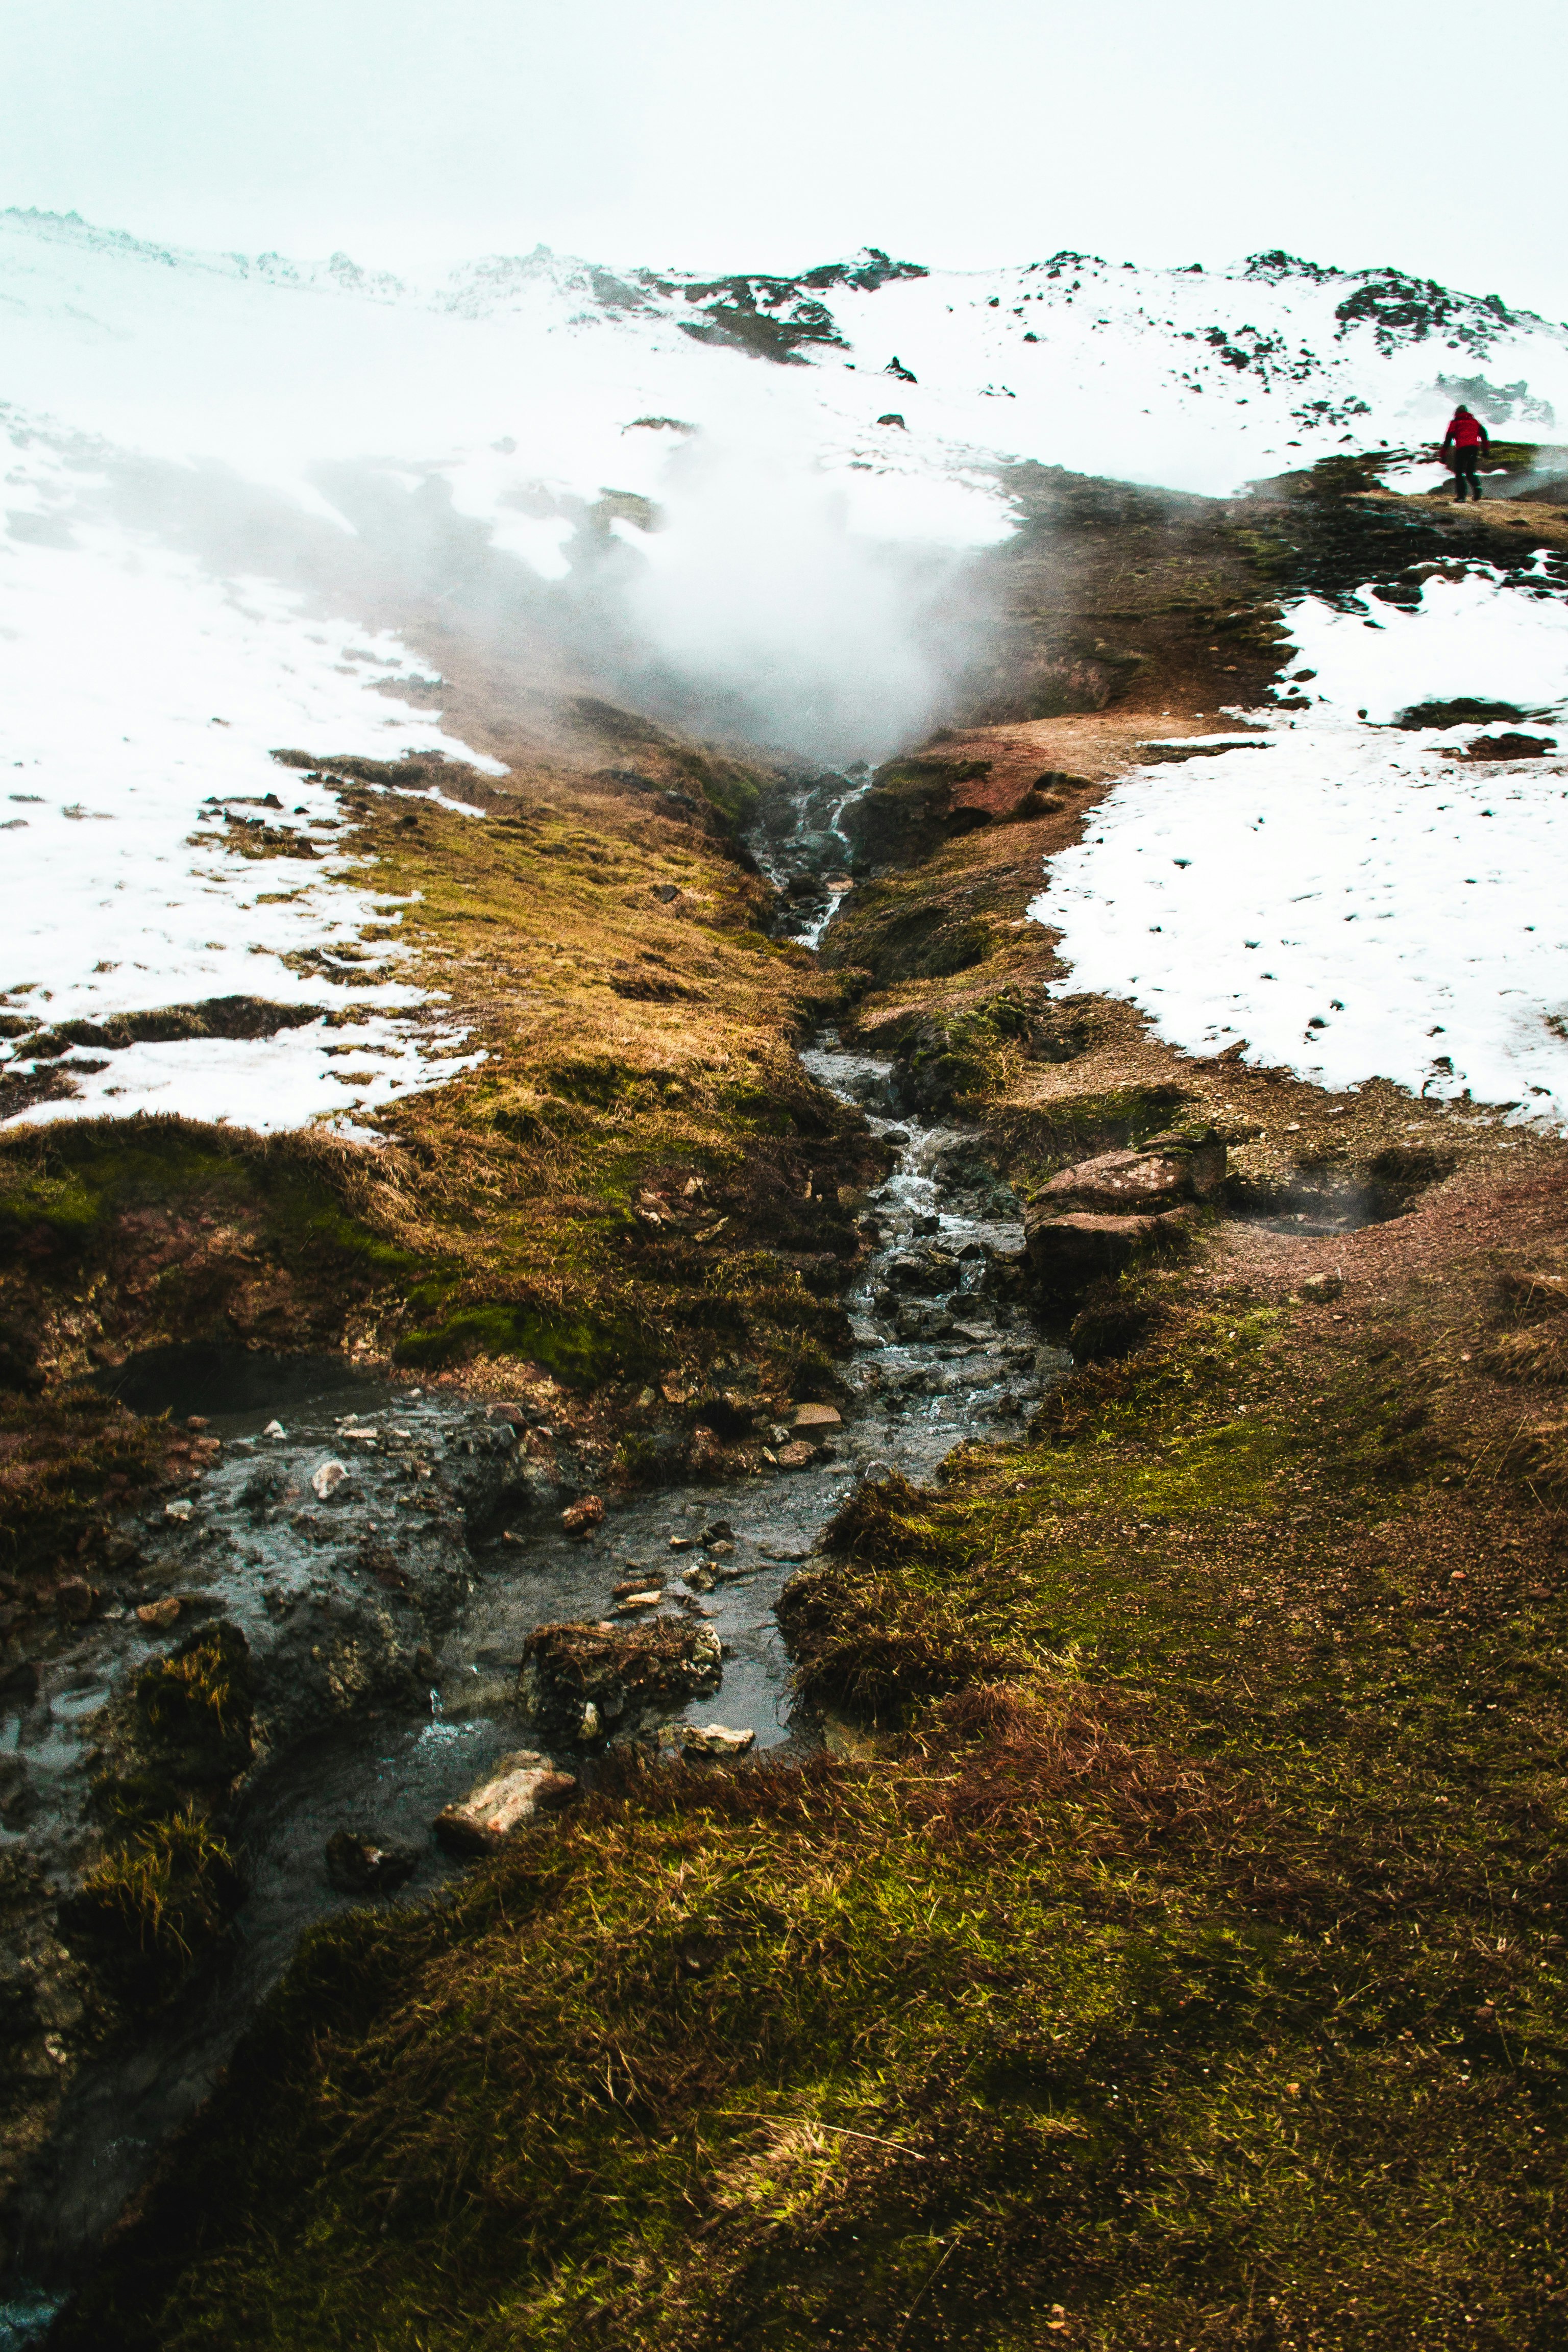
{"x":581,"y":1683}
{"x":1109,"y":1214}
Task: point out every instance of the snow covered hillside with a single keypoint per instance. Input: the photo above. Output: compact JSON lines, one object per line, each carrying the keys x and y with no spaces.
{"x":1190,"y":378}
{"x":767,"y":460}
{"x":1351,"y":893}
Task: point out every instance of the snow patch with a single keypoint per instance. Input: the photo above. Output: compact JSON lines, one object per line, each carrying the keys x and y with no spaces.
{"x":141,"y":701}
{"x":1350,"y":900}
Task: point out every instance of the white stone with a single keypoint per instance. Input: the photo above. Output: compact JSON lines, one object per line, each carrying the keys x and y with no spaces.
{"x":715,"y":1740}
{"x":522,"y":1786}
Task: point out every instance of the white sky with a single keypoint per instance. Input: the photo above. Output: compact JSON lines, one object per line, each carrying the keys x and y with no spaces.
{"x":716,"y":134}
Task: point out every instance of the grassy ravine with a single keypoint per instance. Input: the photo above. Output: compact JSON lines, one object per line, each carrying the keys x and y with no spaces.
{"x":603,"y":948}
{"x":1184,"y":1969}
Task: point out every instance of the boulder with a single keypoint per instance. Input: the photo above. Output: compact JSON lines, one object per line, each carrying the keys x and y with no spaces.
{"x":1120,"y":1183}
{"x":1205,"y":1149}
{"x":521,"y":1787}
{"x":1065,"y":1252}
{"x":579,"y":1681}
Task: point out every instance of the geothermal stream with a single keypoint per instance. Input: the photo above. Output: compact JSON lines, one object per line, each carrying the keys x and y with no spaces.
{"x":443,"y":1520}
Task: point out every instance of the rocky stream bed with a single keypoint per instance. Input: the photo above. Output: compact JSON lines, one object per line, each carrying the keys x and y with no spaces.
{"x":368,"y":1560}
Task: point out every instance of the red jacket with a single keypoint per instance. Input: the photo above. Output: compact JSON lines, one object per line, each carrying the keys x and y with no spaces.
{"x":1465,"y":432}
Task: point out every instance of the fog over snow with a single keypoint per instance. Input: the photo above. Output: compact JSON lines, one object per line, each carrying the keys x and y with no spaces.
{"x":772,"y":483}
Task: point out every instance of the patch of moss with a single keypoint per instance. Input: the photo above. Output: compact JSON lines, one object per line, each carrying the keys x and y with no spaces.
{"x":1068,"y":1128}
{"x":155,"y":1902}
{"x":193,"y":1708}
{"x":578,"y":1348}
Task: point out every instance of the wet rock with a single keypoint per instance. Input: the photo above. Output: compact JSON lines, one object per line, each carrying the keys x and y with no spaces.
{"x":705,"y":1453}
{"x":711,"y":1739}
{"x":358,"y":1863}
{"x":718,"y":1531}
{"x":18,"y":1798}
{"x":930,"y":1270}
{"x":512,"y":1415}
{"x":581,"y":1517}
{"x":326,"y":1480}
{"x":521,"y":1787}
{"x":75,"y":1600}
{"x":632,"y":1603}
{"x":631,"y":1584}
{"x":819,"y":1416}
{"x":699,"y":1579}
{"x":180,"y":1509}
{"x":490,"y":1475}
{"x":274,"y":1429}
{"x":159,"y":1615}
{"x":263,"y":1491}
{"x":580,"y":1681}
{"x":798,"y":1454}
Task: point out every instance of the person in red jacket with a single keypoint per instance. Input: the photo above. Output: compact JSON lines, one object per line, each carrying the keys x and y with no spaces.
{"x":1467,"y":436}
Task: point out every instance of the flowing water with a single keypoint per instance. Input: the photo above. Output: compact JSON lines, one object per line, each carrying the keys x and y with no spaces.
{"x":432,"y":1560}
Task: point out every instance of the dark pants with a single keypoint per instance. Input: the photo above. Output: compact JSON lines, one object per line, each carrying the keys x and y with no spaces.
{"x":1465,"y":462}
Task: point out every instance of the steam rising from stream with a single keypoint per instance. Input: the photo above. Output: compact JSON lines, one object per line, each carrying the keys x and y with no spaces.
{"x":786,"y":617}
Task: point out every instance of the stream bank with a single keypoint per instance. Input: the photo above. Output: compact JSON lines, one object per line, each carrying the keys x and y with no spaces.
{"x":376,"y":1555}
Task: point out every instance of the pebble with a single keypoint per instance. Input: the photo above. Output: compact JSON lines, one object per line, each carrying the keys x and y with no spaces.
{"x":159,"y":1615}
{"x":579,"y":1518}
{"x":274,"y":1429}
{"x":358,"y":1863}
{"x":180,"y":1511}
{"x":713,"y":1739}
{"x":327,"y":1479}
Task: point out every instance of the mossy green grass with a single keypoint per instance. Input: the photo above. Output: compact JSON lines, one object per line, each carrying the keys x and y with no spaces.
{"x":1186,"y":1967}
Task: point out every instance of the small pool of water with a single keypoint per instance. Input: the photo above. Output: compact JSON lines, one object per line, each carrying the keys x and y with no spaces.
{"x":1313,"y":1207}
